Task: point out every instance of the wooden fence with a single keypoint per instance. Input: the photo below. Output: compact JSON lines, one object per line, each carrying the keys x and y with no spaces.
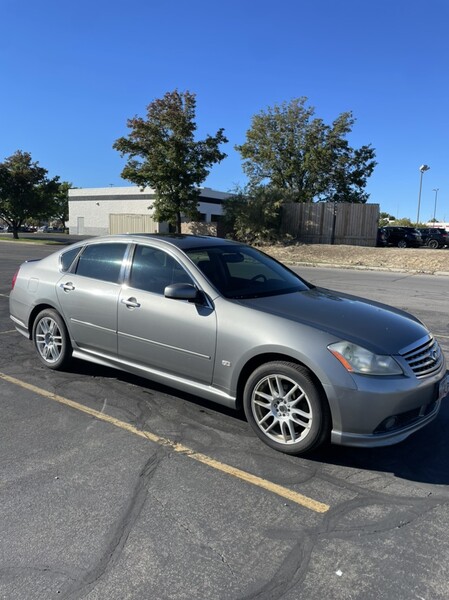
{"x":331,"y":223}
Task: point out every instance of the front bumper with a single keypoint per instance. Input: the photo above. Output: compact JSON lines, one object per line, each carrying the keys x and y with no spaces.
{"x":385,"y":411}
{"x":386,"y":438}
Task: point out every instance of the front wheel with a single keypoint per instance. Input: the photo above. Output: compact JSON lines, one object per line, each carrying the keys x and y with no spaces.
{"x":285,"y":408}
{"x":402,"y":244}
{"x":51,"y":339}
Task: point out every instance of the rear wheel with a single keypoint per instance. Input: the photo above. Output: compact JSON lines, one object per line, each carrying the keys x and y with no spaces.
{"x":402,"y":244}
{"x":433,"y":244}
{"x":285,"y":408}
{"x":51,"y":340}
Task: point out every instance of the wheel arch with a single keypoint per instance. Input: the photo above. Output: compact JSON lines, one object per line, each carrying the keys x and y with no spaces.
{"x":260,"y":359}
{"x":36,"y":310}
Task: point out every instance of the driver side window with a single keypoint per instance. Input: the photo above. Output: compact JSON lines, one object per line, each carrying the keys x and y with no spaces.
{"x":153,"y":269}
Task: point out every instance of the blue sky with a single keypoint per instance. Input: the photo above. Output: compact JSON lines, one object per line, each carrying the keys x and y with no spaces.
{"x":72,"y":73}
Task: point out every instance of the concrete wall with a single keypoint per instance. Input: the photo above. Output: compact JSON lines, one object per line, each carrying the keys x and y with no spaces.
{"x":89,"y":208}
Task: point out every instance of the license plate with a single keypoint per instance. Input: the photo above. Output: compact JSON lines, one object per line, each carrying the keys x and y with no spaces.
{"x":443,"y":389}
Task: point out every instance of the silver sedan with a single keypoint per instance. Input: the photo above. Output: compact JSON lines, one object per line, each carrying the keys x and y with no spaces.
{"x":223,"y":321}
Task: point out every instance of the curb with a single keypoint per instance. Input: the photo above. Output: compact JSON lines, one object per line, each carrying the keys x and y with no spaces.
{"x":366,"y":268}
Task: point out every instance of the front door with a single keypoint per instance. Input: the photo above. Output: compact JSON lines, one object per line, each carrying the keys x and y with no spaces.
{"x":173,"y":336}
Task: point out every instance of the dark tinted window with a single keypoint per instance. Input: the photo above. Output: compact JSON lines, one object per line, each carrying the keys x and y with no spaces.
{"x":102,"y":261}
{"x":243,"y":272}
{"x":68,"y":257}
{"x":152,"y":270}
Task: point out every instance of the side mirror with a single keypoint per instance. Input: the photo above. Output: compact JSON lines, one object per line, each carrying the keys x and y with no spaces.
{"x":181,"y":291}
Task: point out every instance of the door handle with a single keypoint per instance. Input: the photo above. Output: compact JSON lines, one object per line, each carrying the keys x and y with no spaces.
{"x":67,"y":287}
{"x":130,"y":303}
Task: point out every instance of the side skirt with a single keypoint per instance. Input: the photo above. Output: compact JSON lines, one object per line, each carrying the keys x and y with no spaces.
{"x":191,"y":387}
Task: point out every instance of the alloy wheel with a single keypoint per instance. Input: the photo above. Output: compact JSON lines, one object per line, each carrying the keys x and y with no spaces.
{"x":49,"y":340}
{"x":281,"y":409}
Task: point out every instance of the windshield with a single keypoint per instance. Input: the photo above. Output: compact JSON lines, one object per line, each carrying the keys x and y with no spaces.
{"x":244,"y":272}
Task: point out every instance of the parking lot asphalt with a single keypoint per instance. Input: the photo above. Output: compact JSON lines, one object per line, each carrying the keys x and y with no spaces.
{"x":112,"y":487}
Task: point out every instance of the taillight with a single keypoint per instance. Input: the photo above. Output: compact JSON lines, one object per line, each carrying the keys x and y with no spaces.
{"x":14,"y":279}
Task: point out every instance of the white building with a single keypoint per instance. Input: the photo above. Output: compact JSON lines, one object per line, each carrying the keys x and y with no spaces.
{"x":99,"y":211}
{"x":440,"y":225}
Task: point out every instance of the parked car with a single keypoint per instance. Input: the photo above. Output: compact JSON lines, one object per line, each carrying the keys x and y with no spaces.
{"x":434,"y":237}
{"x":50,"y":229}
{"x":402,"y":237}
{"x":381,"y":237}
{"x":225,"y":322}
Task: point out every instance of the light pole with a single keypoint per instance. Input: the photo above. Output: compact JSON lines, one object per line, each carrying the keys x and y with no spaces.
{"x":435,"y":206}
{"x":423,"y":169}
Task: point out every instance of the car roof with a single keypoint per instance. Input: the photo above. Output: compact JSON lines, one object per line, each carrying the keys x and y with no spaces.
{"x":401,"y":227}
{"x":181,"y":241}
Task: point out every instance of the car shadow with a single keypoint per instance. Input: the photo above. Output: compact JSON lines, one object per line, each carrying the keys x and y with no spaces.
{"x":88,"y":369}
{"x":423,"y":457}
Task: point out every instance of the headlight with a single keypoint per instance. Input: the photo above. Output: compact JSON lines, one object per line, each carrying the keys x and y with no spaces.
{"x":360,"y":360}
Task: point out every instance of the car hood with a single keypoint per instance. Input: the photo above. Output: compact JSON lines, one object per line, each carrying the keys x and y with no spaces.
{"x":378,"y":327}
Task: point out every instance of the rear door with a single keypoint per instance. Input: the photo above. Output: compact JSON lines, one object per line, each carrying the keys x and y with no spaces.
{"x":89,"y":296}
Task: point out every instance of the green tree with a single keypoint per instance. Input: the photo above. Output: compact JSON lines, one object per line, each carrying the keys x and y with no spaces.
{"x":25,"y":190}
{"x":252,"y":215}
{"x":163,"y":154}
{"x":60,"y":208}
{"x":385,"y":219}
{"x":288,"y":148}
{"x":405,"y":222}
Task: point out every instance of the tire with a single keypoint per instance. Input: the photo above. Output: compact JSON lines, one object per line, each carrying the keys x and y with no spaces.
{"x":433,"y":244}
{"x":272,"y":395}
{"x":402,"y":244}
{"x":51,"y":340}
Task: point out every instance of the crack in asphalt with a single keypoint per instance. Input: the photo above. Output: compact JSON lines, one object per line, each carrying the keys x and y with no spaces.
{"x":294,"y":568}
{"x":173,"y":518}
{"x":390,"y":479}
{"x":119,"y":533}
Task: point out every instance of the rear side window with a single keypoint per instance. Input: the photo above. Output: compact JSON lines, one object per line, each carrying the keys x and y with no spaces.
{"x":102,"y":261}
{"x":68,"y":257}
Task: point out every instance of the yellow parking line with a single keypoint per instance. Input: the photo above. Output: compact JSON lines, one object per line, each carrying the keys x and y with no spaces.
{"x":188,"y":452}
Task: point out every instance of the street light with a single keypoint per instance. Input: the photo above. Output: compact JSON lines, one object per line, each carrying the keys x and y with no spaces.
{"x":435,"y":206}
{"x":423,"y":169}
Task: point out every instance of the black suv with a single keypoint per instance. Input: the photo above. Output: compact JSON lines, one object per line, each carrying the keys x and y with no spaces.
{"x":434,"y":237}
{"x":402,"y":237}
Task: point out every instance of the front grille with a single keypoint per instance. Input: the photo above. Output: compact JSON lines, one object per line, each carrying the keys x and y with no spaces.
{"x":425,"y":359}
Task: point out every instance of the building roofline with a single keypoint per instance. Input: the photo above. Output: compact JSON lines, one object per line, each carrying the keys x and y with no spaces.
{"x":134,"y":193}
